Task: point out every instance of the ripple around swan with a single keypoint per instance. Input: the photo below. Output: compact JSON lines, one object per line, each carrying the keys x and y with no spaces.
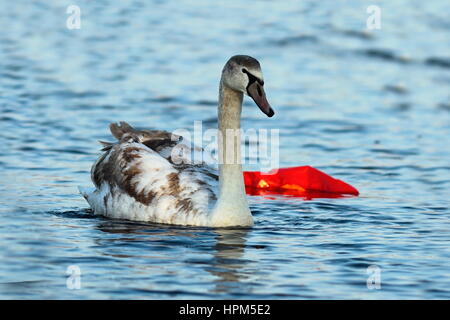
{"x":370,"y":107}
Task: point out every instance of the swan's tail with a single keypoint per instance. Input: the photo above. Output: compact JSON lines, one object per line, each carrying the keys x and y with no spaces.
{"x":86,"y":192}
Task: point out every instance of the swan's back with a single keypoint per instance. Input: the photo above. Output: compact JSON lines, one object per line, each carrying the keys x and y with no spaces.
{"x":136,"y":179}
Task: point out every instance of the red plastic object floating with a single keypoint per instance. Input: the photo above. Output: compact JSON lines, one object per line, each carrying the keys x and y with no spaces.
{"x":304,"y":181}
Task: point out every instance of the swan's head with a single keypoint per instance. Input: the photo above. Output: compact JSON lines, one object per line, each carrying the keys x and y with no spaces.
{"x":243,"y":74}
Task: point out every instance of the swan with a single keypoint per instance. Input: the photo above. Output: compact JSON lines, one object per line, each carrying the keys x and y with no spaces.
{"x":136,"y":178}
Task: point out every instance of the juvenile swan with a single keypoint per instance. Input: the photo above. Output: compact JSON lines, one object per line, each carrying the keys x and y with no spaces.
{"x":137,"y":178}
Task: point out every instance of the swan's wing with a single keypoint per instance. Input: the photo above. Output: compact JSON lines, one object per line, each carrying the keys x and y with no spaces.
{"x":175,"y":148}
{"x":135,"y":182}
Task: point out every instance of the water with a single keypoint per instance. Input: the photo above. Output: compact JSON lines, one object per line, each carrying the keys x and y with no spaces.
{"x":369,"y":107}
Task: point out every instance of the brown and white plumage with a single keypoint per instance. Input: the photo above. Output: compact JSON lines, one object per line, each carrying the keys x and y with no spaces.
{"x":147,"y":175}
{"x":136,"y":179}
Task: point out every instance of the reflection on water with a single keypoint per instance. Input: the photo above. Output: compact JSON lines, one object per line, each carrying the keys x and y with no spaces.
{"x":224,"y":261}
{"x":228,"y":260}
{"x":370,"y":107}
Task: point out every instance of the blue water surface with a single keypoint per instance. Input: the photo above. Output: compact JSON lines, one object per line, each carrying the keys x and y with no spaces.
{"x":371,"y":107}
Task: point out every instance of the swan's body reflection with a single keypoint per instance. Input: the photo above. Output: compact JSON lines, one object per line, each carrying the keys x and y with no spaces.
{"x":158,"y":251}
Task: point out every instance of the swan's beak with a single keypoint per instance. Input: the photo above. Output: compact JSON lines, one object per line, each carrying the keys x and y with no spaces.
{"x":256,"y":91}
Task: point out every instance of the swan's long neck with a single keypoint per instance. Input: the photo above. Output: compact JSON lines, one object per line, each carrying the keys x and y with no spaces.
{"x":232,"y":206}
{"x":230,"y":169}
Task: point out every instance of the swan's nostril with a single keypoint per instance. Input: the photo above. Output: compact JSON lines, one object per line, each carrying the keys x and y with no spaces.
{"x":259,"y":91}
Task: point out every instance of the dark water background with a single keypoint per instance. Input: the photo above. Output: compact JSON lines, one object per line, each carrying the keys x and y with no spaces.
{"x":369,"y":107}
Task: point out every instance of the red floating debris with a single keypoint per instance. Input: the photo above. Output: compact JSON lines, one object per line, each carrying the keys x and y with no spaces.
{"x":298,"y":181}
